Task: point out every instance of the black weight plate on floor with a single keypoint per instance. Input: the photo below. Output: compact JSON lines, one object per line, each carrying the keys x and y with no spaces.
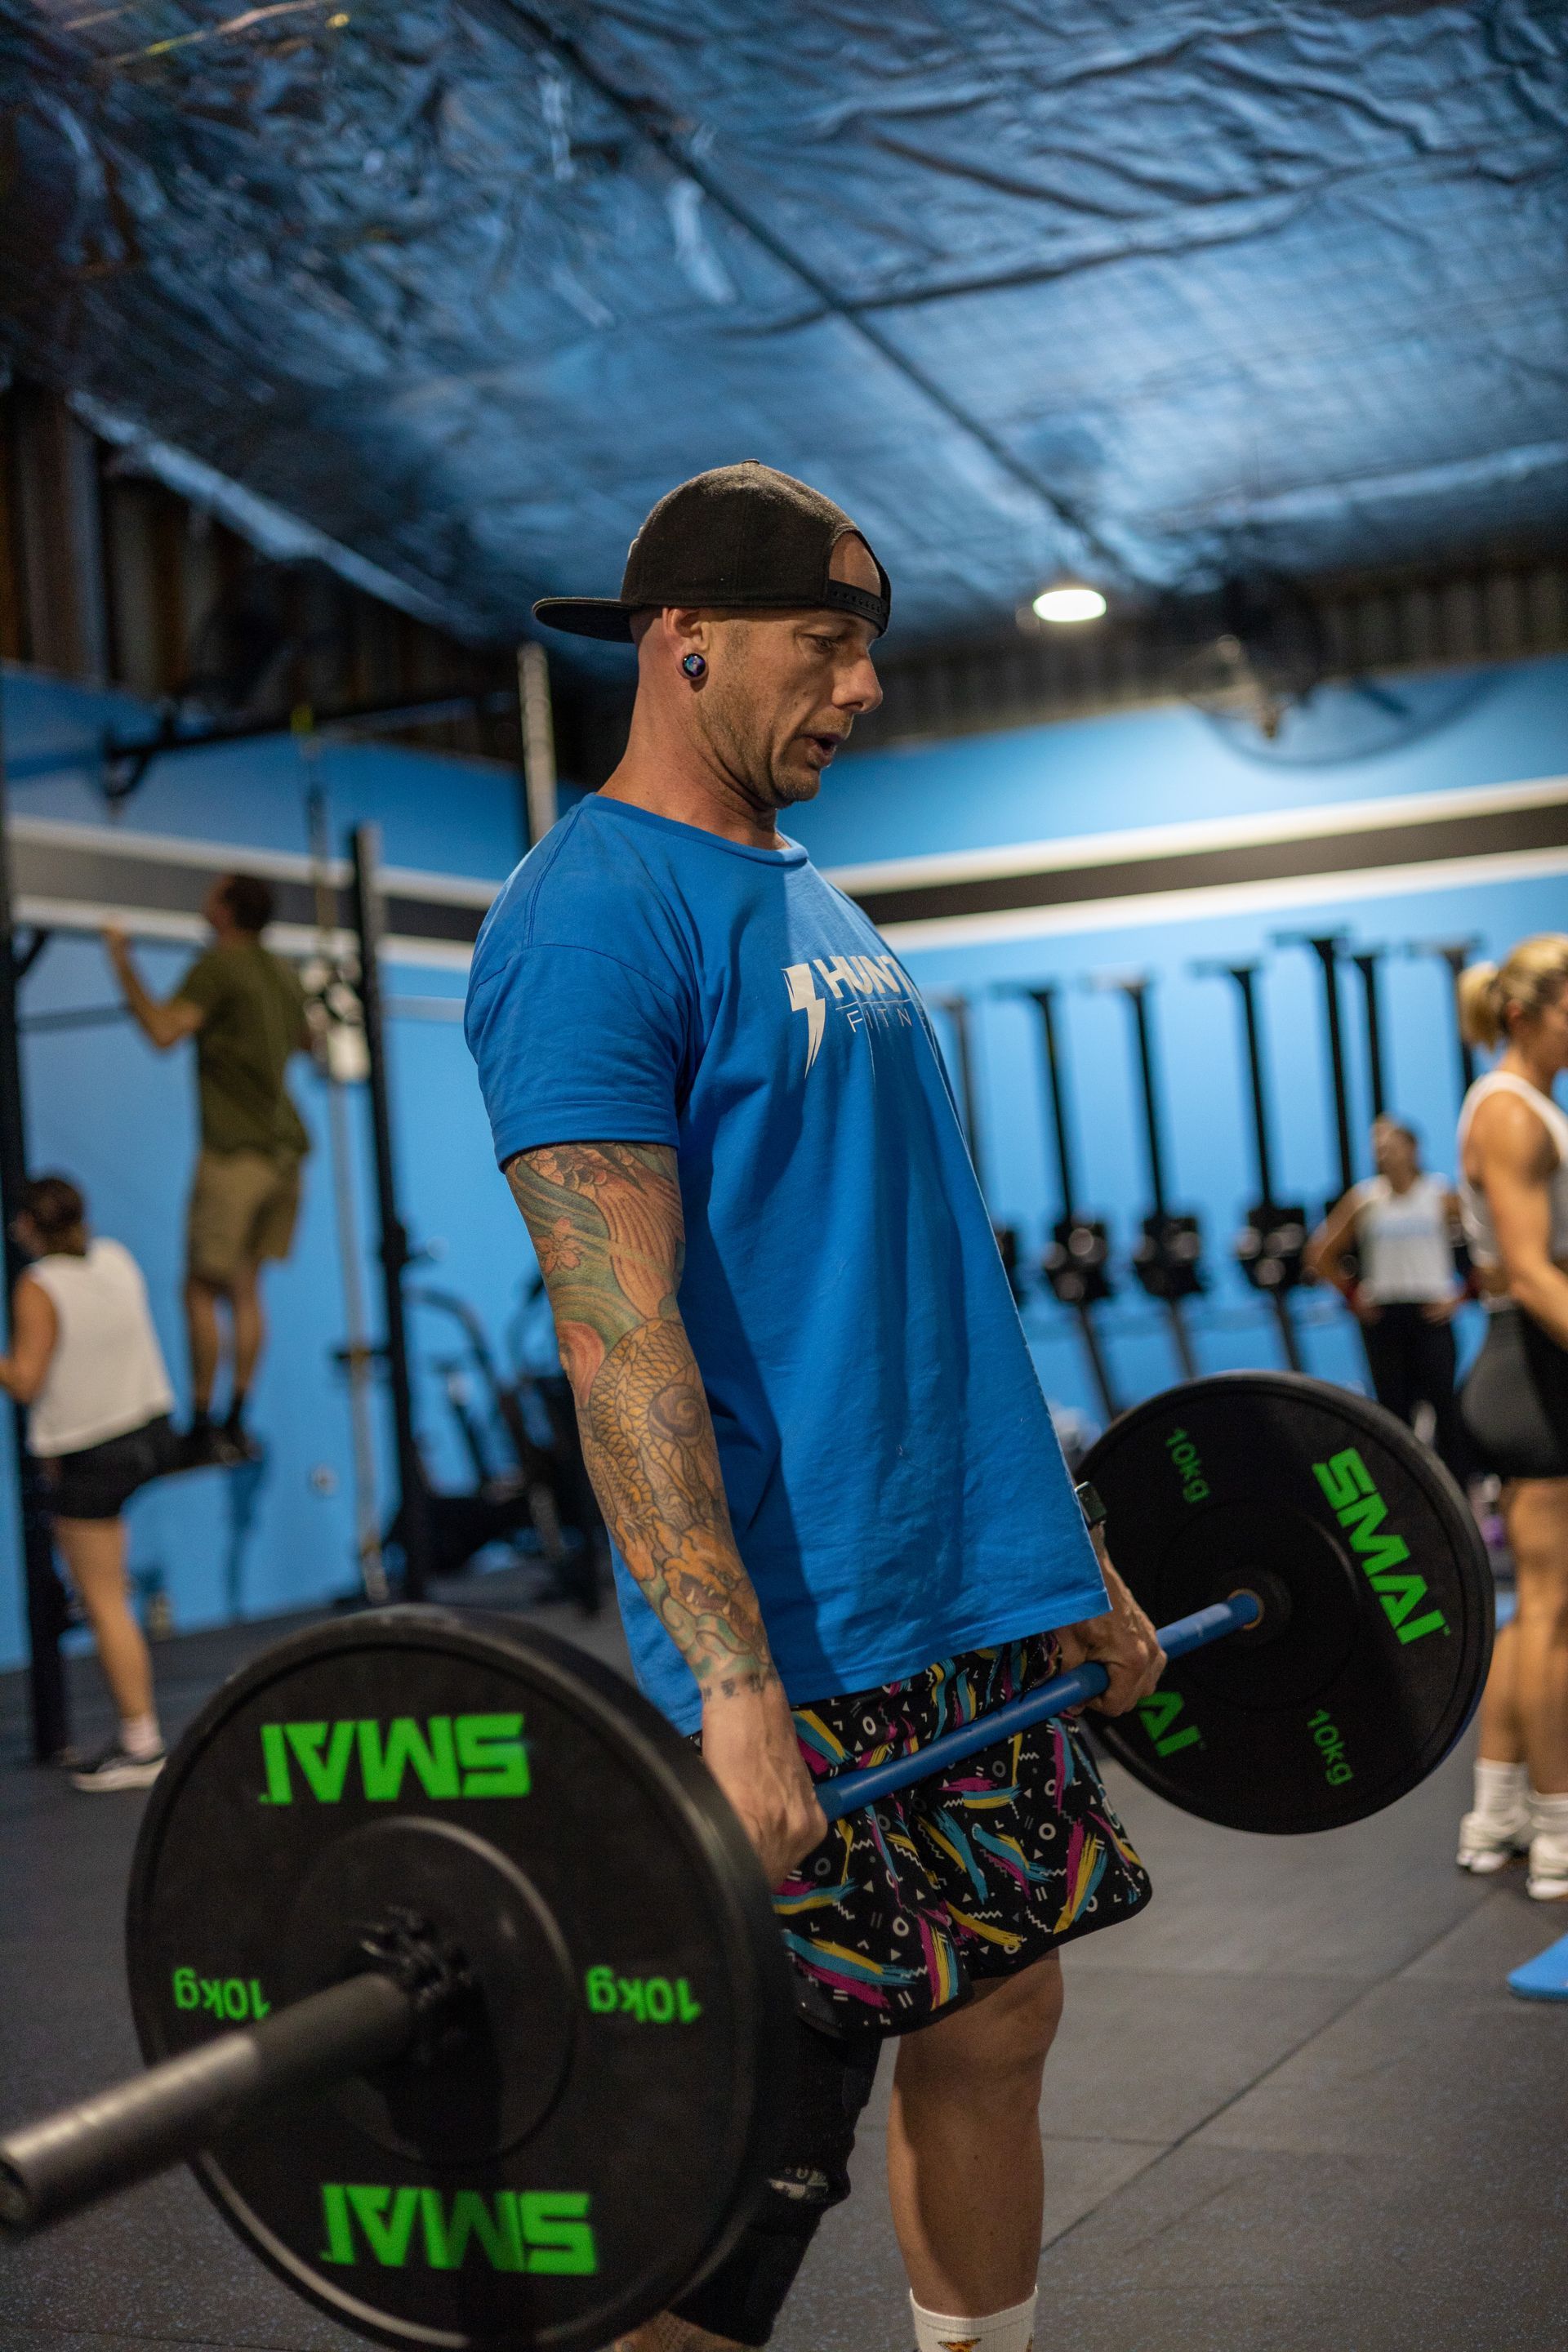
{"x":617,"y":2110}
{"x":1355,"y":1688}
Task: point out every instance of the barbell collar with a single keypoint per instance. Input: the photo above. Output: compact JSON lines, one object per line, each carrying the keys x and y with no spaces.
{"x":66,"y":2160}
{"x":846,"y":1792}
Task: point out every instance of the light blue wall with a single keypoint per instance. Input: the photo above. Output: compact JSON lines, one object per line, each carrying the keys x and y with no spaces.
{"x":120,"y":1118}
{"x":105,"y":1107}
{"x":1164,"y":767}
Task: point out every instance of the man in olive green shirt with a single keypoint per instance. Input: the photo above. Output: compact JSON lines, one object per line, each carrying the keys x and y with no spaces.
{"x":246,"y":1009}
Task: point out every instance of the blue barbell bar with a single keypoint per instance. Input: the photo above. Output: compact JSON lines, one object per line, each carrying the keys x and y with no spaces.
{"x":846,"y":1792}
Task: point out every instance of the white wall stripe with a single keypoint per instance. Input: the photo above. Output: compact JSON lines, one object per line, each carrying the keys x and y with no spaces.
{"x":1068,"y":852}
{"x":289,"y":938}
{"x":1221,"y":898}
{"x":228,"y":857}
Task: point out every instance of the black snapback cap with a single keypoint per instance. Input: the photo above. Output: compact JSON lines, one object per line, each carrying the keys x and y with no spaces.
{"x":742,"y":536}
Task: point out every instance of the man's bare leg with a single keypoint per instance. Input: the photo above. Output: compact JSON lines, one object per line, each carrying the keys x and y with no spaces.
{"x":965,"y":2172}
{"x":202,"y":1333}
{"x":249,"y":1325}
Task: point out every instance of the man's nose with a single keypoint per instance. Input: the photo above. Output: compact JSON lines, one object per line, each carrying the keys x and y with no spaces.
{"x":861,"y":689}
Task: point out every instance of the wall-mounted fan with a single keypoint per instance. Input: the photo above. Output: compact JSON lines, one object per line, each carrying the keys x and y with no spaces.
{"x":1256,"y":671}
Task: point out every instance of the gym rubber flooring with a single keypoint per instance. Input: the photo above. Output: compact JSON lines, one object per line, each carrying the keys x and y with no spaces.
{"x":1293,"y":2106}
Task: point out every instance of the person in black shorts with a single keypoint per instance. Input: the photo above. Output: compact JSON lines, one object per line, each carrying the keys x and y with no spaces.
{"x":841,"y":1520}
{"x":85,"y":1360}
{"x":1405,"y":1291}
{"x":1513,"y":1157}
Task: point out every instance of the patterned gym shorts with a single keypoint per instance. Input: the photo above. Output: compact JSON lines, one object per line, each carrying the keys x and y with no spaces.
{"x":908,"y":1903}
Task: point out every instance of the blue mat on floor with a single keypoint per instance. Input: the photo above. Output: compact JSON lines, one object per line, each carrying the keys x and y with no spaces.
{"x":1545,"y":1977}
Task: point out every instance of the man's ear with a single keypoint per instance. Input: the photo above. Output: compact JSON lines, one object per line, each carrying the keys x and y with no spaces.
{"x":688,"y":630}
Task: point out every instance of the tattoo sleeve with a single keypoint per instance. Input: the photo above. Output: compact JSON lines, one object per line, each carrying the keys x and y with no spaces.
{"x":605,"y":1221}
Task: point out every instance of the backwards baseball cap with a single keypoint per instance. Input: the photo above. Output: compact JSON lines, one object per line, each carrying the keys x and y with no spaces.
{"x":742,"y":536}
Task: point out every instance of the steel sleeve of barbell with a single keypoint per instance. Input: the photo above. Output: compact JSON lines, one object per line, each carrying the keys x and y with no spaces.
{"x":846,"y":1792}
{"x":117,"y":2136}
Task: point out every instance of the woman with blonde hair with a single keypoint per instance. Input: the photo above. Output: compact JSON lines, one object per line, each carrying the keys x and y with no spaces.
{"x":1513,"y":1190}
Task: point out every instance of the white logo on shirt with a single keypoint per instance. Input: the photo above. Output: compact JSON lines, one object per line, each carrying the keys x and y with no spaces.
{"x":859,"y":986}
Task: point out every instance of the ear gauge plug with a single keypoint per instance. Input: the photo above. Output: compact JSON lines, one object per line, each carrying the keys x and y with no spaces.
{"x":693,"y":665}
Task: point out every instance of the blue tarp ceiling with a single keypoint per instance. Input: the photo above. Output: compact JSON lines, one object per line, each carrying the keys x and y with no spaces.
{"x":1153,"y":291}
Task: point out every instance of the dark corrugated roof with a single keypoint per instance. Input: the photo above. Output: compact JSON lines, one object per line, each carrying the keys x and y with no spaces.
{"x":1157,"y":292}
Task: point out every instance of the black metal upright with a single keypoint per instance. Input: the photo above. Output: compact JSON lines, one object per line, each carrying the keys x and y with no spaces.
{"x":1326,"y":947}
{"x":1136,"y":991}
{"x":1166,"y":1258}
{"x":1456,"y":954}
{"x":1271,"y":1245}
{"x":45,"y":1594}
{"x":1246,"y":977}
{"x":414,"y":1514}
{"x":1367,"y":961}
{"x":957,"y":1011}
{"x":1075,"y":1264}
{"x":1045,"y":998}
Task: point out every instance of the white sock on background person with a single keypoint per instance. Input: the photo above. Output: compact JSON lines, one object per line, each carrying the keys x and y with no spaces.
{"x":1551,"y":1819}
{"x":139,"y":1734}
{"x":1004,"y":2331}
{"x":1502,"y":1792}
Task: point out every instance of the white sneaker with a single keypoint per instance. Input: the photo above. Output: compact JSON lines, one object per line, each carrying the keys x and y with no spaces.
{"x":115,"y":1769}
{"x":1548,"y":1880}
{"x":1486,"y":1845}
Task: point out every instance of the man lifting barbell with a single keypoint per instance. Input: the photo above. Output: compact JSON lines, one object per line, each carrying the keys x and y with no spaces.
{"x":806,"y":1402}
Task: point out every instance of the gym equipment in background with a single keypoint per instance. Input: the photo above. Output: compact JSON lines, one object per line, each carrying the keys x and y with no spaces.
{"x":412,"y":1517}
{"x":1269,"y":1248}
{"x":544,"y":1487}
{"x":1367,"y":961}
{"x":1455,"y":954}
{"x":1074,"y":1263}
{"x":960,"y":1013}
{"x":1326,"y":947}
{"x":483,"y":1942}
{"x":338,"y":1050}
{"x":47,"y":1604}
{"x":1168,"y":1257}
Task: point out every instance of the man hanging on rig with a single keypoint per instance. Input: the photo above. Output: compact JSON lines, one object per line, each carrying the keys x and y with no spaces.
{"x":246,"y":1009}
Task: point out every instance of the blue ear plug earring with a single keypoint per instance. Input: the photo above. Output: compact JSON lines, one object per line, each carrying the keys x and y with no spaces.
{"x":693,"y":665}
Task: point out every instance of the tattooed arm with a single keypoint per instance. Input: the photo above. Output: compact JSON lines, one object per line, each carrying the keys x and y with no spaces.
{"x":605,"y":1220}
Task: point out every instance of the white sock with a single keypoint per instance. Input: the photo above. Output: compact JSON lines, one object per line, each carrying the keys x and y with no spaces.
{"x":140,"y":1736}
{"x":1502,"y":1792}
{"x":1551,"y":1817}
{"x":1004,"y":2331}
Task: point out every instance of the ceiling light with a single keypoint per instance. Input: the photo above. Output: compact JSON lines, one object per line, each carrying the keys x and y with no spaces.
{"x":1070,"y":600}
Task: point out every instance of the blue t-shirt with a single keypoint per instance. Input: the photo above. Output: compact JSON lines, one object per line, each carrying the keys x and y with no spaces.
{"x":894,"y":1481}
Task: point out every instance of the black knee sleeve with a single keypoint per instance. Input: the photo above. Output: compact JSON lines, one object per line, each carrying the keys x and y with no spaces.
{"x":831,"y":2077}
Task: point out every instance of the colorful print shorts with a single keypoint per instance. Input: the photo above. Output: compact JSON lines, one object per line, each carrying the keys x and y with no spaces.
{"x":907,"y":1903}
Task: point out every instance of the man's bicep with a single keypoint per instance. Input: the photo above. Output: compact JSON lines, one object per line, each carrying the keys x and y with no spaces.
{"x":606,"y":1227}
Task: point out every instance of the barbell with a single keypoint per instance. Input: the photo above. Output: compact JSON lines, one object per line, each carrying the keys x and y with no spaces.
{"x":459,"y":1980}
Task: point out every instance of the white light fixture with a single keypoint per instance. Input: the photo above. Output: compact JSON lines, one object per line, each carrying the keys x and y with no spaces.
{"x":1070,"y":600}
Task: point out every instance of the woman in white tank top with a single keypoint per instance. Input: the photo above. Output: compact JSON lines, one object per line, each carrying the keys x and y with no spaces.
{"x":1513,"y":1158}
{"x":85,"y":1360}
{"x":1404,"y":1291}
